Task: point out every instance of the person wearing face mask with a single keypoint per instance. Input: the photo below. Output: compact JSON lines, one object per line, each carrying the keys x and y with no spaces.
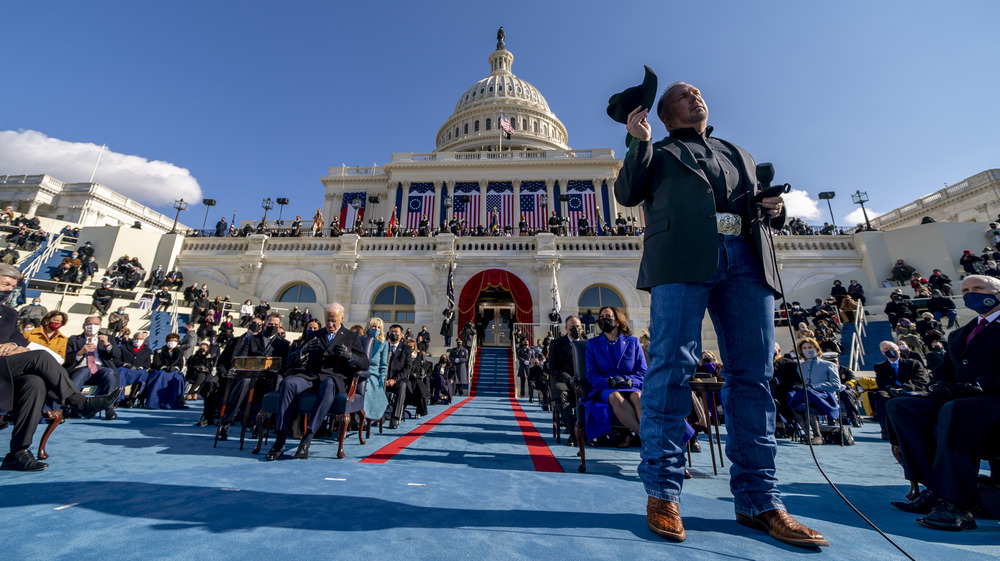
{"x":199,"y":367}
{"x":821,"y":382}
{"x":940,"y":438}
{"x":398,"y":373}
{"x":941,"y":306}
{"x":10,"y":255}
{"x":895,"y":377}
{"x":559,"y":363}
{"x":908,"y":336}
{"x":325,"y":364}
{"x":459,"y":357}
{"x":103,"y":298}
{"x":441,"y":375}
{"x":616,"y":367}
{"x":936,"y":356}
{"x":92,"y":358}
{"x":838,"y":291}
{"x":375,"y":399}
{"x":162,"y":299}
{"x":117,"y":321}
{"x":165,"y":386}
{"x":33,"y":312}
{"x":856,"y":291}
{"x":799,"y":314}
{"x":897,"y":308}
{"x":262,"y":342}
{"x":48,"y":335}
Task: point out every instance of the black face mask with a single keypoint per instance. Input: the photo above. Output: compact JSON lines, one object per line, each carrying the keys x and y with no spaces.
{"x":575,"y":332}
{"x":892,"y":354}
{"x":393,"y":337}
{"x":254,"y":328}
{"x":270,"y":330}
{"x":607,"y":325}
{"x":4,"y":295}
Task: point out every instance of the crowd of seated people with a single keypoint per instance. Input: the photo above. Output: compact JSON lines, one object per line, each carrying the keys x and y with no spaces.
{"x":798,"y":227}
{"x":943,"y":420}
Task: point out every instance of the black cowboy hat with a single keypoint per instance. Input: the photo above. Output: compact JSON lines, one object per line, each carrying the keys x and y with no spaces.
{"x":624,"y":102}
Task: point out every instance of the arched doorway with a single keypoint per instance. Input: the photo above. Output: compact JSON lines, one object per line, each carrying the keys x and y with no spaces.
{"x":494,"y":300}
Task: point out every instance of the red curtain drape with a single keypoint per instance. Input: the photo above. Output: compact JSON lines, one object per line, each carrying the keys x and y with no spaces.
{"x":494,"y":278}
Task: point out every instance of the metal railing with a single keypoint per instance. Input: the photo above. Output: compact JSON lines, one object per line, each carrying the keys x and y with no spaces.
{"x":857,"y":355}
{"x":32,"y":269}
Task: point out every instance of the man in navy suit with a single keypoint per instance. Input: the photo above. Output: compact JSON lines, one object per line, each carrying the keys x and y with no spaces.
{"x":93,"y":358}
{"x":942,"y":436}
{"x":325,"y":363}
{"x":895,"y":377}
{"x":397,"y":380}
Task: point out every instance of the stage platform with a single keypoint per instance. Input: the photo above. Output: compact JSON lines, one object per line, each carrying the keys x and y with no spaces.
{"x":480,"y":479}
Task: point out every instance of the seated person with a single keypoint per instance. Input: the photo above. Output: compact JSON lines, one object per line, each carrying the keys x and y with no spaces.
{"x":848,"y":309}
{"x":326,"y":363}
{"x":929,"y":329}
{"x":33,"y":312}
{"x":822,"y":382}
{"x":849,"y":395}
{"x":103,"y":297}
{"x":708,"y":366}
{"x":917,"y":282}
{"x":856,"y":291}
{"x":441,"y":381}
{"x":93,"y":358}
{"x":897,"y":308}
{"x":48,"y":334}
{"x":802,"y":331}
{"x":538,"y":381}
{"x":174,"y":279}
{"x":940,"y":438}
{"x":616,"y":367}
{"x":375,"y":400}
{"x":162,"y":299}
{"x":263,"y":341}
{"x":397,"y":382}
{"x":10,"y":255}
{"x":895,"y":377}
{"x":27,"y":378}
{"x":906,"y":333}
{"x":199,"y":367}
{"x":65,"y":273}
{"x":418,"y":389}
{"x":559,"y":363}
{"x":941,"y":306}
{"x":73,"y":259}
{"x":166,"y":383}
{"x":939,"y":281}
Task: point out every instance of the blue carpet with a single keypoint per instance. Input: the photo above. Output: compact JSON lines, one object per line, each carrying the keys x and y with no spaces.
{"x":150,"y":486}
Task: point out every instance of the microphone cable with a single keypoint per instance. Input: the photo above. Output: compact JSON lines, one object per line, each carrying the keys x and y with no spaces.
{"x":762,"y":217}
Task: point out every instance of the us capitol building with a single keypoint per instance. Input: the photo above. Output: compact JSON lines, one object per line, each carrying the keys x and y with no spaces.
{"x":485,"y":175}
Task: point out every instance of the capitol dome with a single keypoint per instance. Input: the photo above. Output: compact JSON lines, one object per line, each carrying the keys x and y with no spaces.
{"x":474,"y":125}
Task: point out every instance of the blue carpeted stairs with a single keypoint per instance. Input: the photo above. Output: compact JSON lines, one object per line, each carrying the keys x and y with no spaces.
{"x":875,"y":333}
{"x":159,"y":328}
{"x":52,"y":263}
{"x":493,"y":369}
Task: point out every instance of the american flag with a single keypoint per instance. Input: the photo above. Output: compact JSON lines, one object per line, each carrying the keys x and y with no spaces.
{"x":421,"y":202}
{"x":500,"y":203}
{"x":347,"y":212}
{"x":505,"y":125}
{"x":531,"y":205}
{"x":467,"y":211}
{"x":582,"y":202}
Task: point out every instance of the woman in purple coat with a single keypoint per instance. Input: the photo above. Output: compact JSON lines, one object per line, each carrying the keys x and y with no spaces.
{"x":616,"y":367}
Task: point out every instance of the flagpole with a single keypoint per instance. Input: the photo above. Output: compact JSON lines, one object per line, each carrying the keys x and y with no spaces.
{"x":99,"y":154}
{"x":500,"y":126}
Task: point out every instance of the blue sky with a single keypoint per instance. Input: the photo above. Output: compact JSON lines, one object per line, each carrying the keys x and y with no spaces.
{"x":258,"y":99}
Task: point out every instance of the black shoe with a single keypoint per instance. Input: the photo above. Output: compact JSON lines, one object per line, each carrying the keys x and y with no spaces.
{"x":96,"y":404}
{"x":947,"y":516}
{"x":302,"y":453}
{"x":109,"y":414}
{"x":393,"y":424}
{"x":923,"y":504}
{"x":695,"y":446}
{"x":275,"y":452}
{"x":885,"y":435}
{"x":223,"y":432}
{"x":202,"y":422}
{"x":22,"y":460}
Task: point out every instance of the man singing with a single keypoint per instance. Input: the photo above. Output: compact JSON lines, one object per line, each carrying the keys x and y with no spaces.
{"x":705,"y":248}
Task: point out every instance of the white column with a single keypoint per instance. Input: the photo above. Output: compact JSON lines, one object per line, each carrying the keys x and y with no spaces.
{"x":405,"y":211}
{"x":552,"y":204}
{"x":482,"y":204}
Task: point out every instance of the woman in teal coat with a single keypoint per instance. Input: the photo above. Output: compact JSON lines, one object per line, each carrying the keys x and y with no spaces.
{"x":375,"y":400}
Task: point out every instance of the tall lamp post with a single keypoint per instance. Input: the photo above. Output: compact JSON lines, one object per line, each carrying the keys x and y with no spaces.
{"x":282,"y":201}
{"x":209,"y":203}
{"x":828,"y":196}
{"x":180,"y":205}
{"x":860,"y":198}
{"x":447,"y":211}
{"x":267,"y":204}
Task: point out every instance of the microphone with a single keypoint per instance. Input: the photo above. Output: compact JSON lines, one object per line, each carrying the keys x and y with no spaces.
{"x":765,"y":174}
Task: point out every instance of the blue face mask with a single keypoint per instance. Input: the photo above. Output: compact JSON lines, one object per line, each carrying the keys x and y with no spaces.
{"x":979,"y":302}
{"x":373,"y":332}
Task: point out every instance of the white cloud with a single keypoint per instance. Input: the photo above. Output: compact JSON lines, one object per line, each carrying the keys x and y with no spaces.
{"x":149,"y":182}
{"x":858,"y":217}
{"x":799,"y":205}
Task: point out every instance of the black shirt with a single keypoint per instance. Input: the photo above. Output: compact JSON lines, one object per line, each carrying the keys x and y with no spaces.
{"x":722,"y":167}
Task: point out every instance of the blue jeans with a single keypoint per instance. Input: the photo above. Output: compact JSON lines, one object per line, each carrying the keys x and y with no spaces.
{"x":741,"y":306}
{"x":952,"y":317}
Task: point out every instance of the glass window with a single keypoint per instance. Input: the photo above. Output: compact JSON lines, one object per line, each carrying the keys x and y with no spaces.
{"x":394,"y":303}
{"x":489,"y":123}
{"x":476,"y":126}
{"x":298,"y":293}
{"x":596,"y":297}
{"x":466,"y":128}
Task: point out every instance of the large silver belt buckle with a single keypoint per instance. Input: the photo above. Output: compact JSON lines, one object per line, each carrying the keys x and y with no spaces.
{"x":729,"y":224}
